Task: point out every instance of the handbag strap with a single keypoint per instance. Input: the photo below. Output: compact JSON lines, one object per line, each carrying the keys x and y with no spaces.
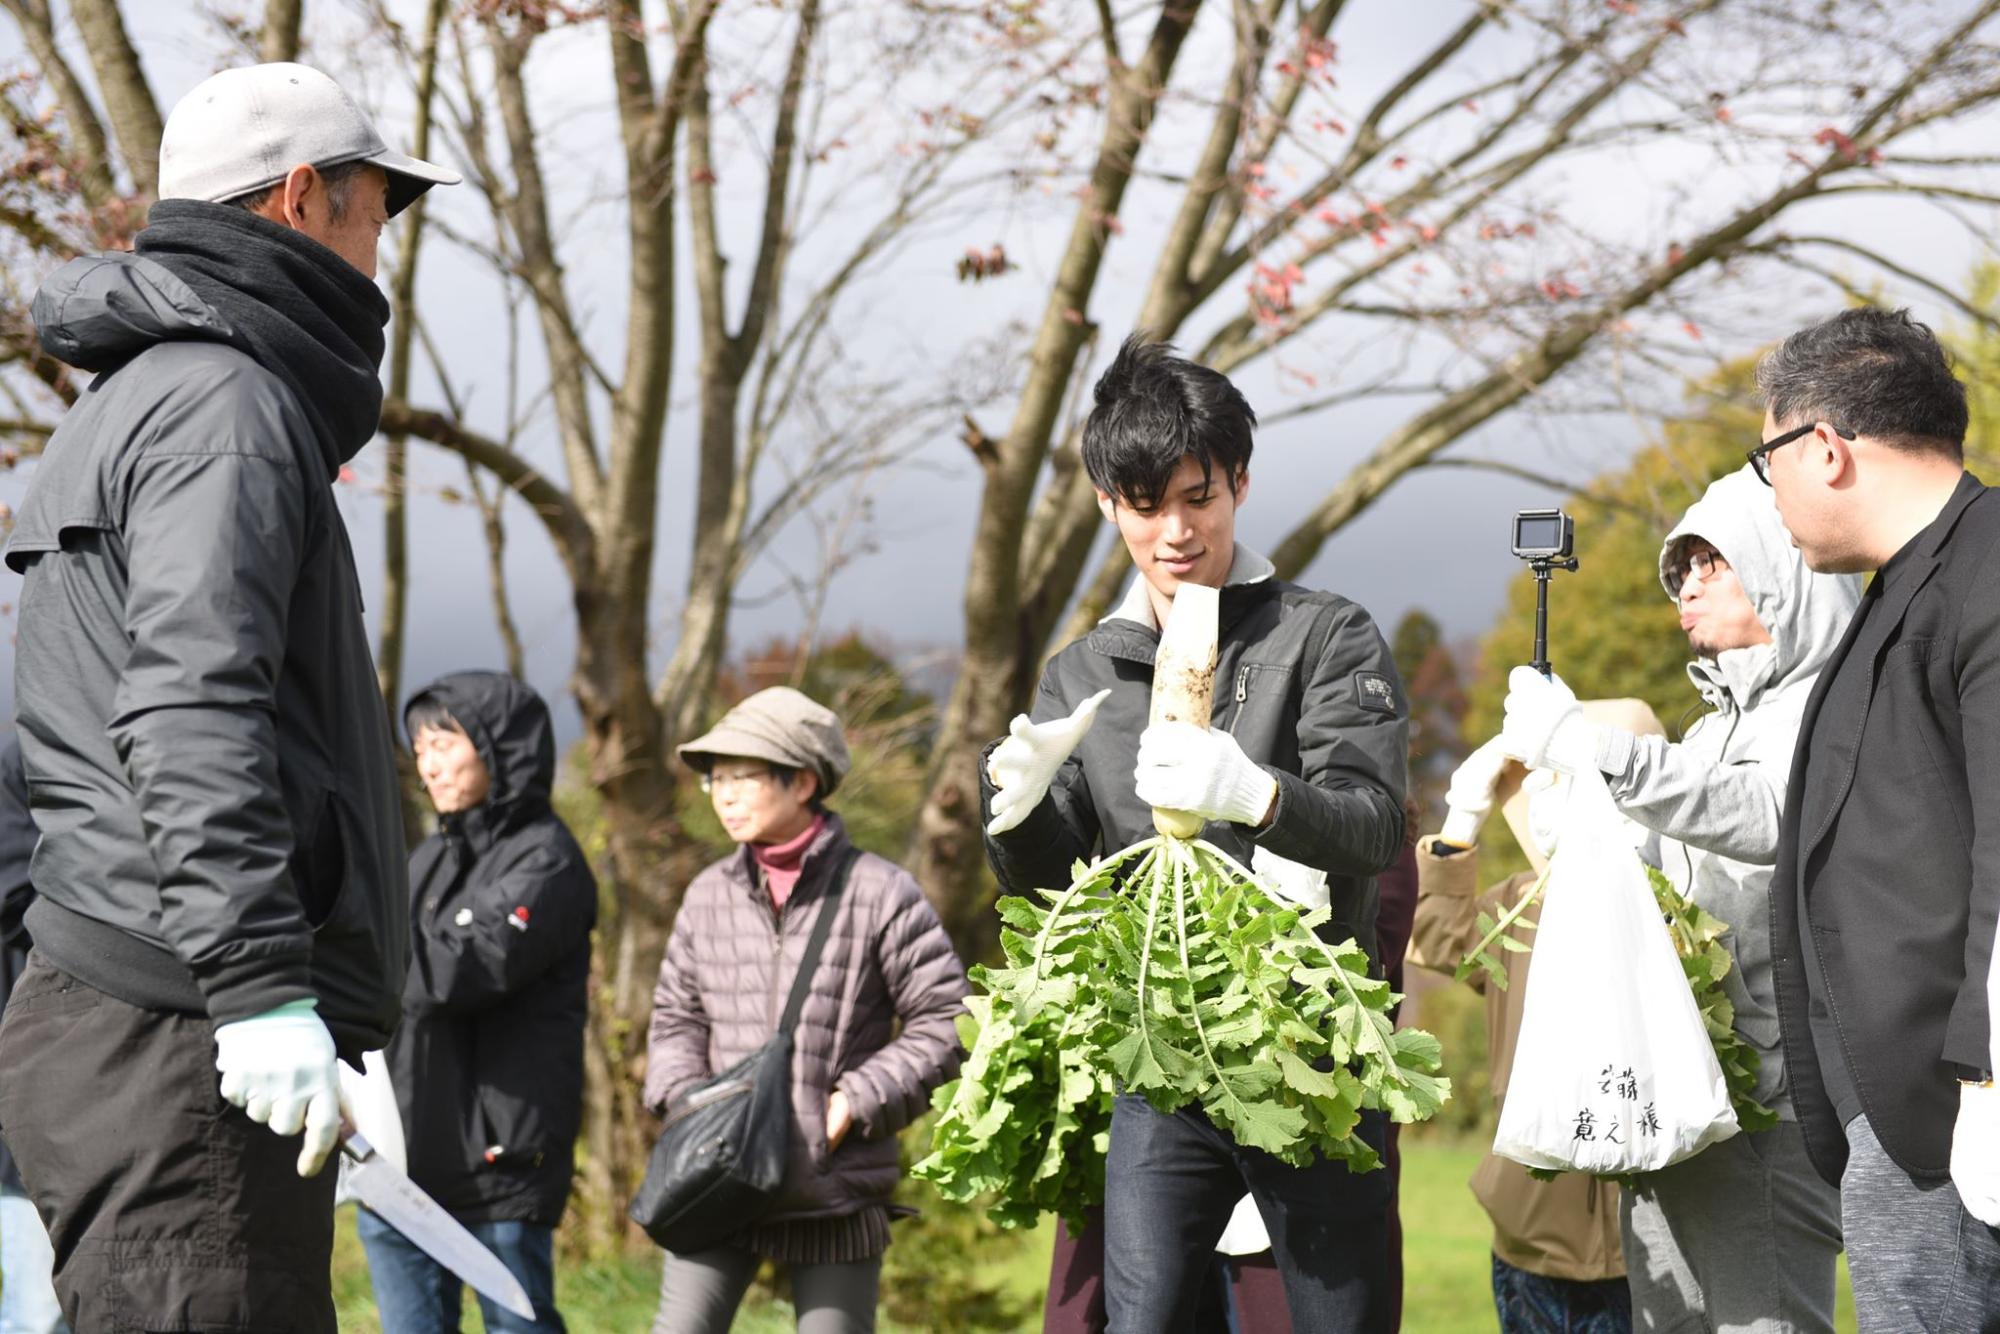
{"x":822,"y":927}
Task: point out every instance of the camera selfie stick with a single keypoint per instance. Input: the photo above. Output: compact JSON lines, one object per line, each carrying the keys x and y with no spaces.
{"x":1544,"y":566}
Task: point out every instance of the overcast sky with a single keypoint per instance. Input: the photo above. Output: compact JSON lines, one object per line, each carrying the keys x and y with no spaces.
{"x":1437,"y":540}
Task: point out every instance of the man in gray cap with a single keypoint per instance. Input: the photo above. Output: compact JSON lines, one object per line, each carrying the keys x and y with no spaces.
{"x":221,"y":868}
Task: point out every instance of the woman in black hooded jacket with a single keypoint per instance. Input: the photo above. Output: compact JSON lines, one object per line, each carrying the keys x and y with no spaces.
{"x":488,"y":1063}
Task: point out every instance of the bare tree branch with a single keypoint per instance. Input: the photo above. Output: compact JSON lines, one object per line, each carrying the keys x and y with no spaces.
{"x":89,"y":154}
{"x":568,"y":527}
{"x":1781,"y":244}
{"x":528,"y":215}
{"x":128,"y":98}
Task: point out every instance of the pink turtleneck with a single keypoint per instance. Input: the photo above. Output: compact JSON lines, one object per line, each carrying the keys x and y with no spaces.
{"x":782,"y":862}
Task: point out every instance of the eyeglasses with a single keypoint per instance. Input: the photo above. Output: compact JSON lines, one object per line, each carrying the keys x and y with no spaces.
{"x":713,"y":782}
{"x":1702,"y":562}
{"x":1760,"y":457}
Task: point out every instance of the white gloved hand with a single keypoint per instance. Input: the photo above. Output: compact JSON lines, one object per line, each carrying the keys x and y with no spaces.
{"x":1545,"y":727}
{"x":280,"y":1068}
{"x":1975,"y":1152}
{"x":1469,"y":799}
{"x":1548,"y":799}
{"x":1205,"y":772}
{"x":1023,"y":765}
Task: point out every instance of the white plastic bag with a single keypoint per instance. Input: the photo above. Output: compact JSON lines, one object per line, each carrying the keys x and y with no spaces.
{"x":1613,"y":1071}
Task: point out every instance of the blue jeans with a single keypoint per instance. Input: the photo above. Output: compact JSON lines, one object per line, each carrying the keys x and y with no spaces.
{"x":27,"y":1294}
{"x":1170,"y":1183}
{"x":414,"y":1294}
{"x":1536,"y":1304}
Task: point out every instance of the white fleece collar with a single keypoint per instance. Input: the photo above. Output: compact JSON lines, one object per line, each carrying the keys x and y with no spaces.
{"x":1245,"y":567}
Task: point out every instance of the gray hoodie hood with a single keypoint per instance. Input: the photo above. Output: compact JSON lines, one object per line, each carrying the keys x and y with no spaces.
{"x":1806,"y":613}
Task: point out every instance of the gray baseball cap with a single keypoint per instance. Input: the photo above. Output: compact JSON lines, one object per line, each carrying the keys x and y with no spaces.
{"x":241,"y":130}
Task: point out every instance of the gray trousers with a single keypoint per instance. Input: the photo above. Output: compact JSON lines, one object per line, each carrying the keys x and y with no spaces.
{"x":1742,"y":1238}
{"x":1919,"y":1261}
{"x":699,"y":1293}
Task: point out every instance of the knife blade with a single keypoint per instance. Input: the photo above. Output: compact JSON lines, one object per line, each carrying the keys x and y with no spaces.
{"x":376,"y":1182}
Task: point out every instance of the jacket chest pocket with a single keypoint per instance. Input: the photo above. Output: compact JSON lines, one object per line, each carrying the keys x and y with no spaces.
{"x":1262,"y":706}
{"x":1911,"y":737}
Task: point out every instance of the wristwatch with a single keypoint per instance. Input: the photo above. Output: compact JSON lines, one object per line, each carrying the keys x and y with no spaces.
{"x":1973,"y":1077}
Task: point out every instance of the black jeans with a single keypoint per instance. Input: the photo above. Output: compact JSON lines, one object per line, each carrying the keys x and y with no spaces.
{"x":169,"y":1209}
{"x":1170,"y":1184}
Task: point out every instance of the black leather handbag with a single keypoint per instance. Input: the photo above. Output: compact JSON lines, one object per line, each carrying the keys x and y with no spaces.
{"x":721,"y":1155}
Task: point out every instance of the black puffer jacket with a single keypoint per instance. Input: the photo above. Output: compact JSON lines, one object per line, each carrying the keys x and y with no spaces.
{"x":207,"y":752}
{"x":488,"y":1065}
{"x":1304,"y":682}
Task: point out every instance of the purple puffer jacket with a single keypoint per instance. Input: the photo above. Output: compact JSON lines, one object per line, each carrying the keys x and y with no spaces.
{"x":723,"y":984}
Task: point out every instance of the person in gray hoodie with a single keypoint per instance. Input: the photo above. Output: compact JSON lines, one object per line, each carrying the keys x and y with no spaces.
{"x":1744,"y":1236}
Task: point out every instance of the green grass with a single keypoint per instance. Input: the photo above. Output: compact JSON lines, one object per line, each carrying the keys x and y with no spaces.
{"x":1445,"y":1254}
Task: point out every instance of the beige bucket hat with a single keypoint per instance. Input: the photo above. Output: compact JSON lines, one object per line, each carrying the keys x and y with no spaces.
{"x":780,"y":725}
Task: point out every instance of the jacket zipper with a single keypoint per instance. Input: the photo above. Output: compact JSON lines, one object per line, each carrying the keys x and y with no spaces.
{"x":701,"y":1098}
{"x":777,"y":957}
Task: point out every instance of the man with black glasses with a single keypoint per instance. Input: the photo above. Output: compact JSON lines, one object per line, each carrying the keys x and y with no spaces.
{"x":1889,"y":865}
{"x":1745,"y":1235}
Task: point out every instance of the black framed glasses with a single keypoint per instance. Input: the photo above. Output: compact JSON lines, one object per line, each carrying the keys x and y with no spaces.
{"x":1702,"y":563}
{"x":1760,"y":457}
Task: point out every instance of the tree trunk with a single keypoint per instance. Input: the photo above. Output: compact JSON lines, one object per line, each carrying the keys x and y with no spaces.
{"x":128,"y":99}
{"x":1001,"y":647}
{"x":280,"y":38}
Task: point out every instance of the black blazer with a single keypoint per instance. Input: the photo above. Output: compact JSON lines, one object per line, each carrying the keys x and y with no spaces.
{"x":1896,"y":847}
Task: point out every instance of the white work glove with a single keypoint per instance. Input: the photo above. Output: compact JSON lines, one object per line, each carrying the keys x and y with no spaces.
{"x":1469,"y":799}
{"x":1023,"y":765}
{"x":280,"y":1068}
{"x":1975,"y":1152}
{"x":1548,"y":800}
{"x":1186,"y":768}
{"x":1545,"y":727}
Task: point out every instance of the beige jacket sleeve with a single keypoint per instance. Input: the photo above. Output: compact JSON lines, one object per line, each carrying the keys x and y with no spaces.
{"x":1448,"y":908}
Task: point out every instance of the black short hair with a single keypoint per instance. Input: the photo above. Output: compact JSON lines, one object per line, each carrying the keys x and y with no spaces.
{"x":1153,"y":409}
{"x":1871,"y":372}
{"x":786,"y":774}
{"x":339,"y":178}
{"x":427,"y":710}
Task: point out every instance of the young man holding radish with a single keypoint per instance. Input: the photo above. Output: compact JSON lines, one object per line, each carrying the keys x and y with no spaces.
{"x":1300,"y":776}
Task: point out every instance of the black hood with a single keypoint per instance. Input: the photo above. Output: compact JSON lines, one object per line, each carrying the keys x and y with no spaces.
{"x":509,"y":726}
{"x":220,"y":274}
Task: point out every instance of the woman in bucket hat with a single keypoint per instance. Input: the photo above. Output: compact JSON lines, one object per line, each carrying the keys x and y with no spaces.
{"x":858,"y":1078}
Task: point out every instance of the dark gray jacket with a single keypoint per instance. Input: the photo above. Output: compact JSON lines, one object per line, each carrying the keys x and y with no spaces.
{"x":207,"y":754}
{"x":1304,"y":682}
{"x":488,"y":1063}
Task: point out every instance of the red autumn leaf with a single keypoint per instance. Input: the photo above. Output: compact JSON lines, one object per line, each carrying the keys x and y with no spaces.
{"x":1691,"y":329}
{"x":1398,"y":162}
{"x":1676,"y":253}
{"x":701,"y":176}
{"x":347,"y":474}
